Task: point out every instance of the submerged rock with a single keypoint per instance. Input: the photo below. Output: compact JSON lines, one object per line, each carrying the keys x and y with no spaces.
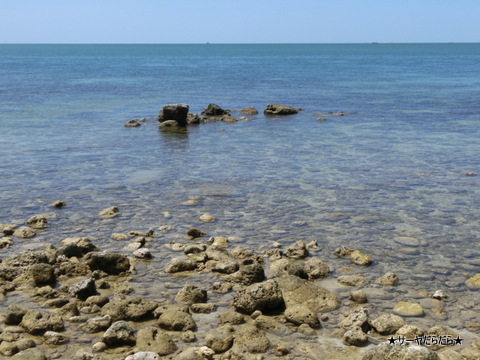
{"x":24,"y":232}
{"x":405,"y":308}
{"x":132,"y":123}
{"x":109,"y":212}
{"x":248,"y":111}
{"x":38,"y":222}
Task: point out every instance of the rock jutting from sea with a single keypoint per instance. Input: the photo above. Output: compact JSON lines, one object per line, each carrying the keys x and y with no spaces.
{"x":234,"y":302}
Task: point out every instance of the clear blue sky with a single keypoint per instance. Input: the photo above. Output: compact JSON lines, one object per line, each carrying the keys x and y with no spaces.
{"x":238,"y":21}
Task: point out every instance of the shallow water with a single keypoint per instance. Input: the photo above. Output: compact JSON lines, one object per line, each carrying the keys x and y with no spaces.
{"x":392,"y":167}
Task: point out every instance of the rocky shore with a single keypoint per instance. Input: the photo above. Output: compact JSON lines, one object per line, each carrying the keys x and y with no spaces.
{"x":72,"y":300}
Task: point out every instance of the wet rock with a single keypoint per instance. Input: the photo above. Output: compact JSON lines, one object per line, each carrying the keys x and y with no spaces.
{"x":300,"y":314}
{"x":144,"y":355}
{"x":315,"y":268}
{"x":232,"y":317}
{"x":42,"y":274}
{"x":174,"y":112}
{"x":297,"y":291}
{"x":38,"y":322}
{"x":214,"y":110}
{"x":400,"y":352}
{"x":54,"y":338}
{"x":112,"y":264}
{"x":178,"y":265}
{"x":99,"y":300}
{"x":474,"y":282}
{"x":142,"y":253}
{"x":110,"y":212}
{"x":439,"y":295}
{"x":96,"y":324}
{"x":58,"y":204}
{"x":409,"y":331}
{"x":206,"y":218}
{"x":387,"y":324}
{"x":356,"y":319}
{"x":284,"y":267}
{"x":191,"y":294}
{"x":265,"y":296}
{"x":188,"y":336}
{"x":357,"y":257}
{"x":404,"y":308}
{"x":132,"y":123}
{"x":355,"y":337}
{"x":298,"y":250}
{"x":99,"y":347}
{"x":248,"y":111}
{"x":352,"y":280}
{"x":194,"y":233}
{"x":24,"y":232}
{"x":194,"y":249}
{"x":388,"y":279}
{"x":227,"y":265}
{"x":76,"y":246}
{"x":8,"y":348}
{"x":5,"y":242}
{"x":438,"y":331}
{"x":130,"y":308}
{"x":247,"y":274}
{"x":358,"y":296}
{"x":277,"y":109}
{"x":14,"y":314}
{"x":200,"y":308}
{"x":29,"y":354}
{"x":176,"y":320}
{"x":154,"y":340}
{"x":219,"y":340}
{"x":120,"y":333}
{"x":249,"y":339}
{"x":38,"y":222}
{"x":83,"y":289}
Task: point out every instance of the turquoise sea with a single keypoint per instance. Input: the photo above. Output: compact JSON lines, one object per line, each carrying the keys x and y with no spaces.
{"x":387,"y":178}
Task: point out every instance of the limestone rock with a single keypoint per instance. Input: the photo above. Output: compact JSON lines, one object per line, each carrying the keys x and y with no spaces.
{"x":251,"y":340}
{"x":24,"y":232}
{"x":400,"y":352}
{"x":129,"y":308}
{"x":264,"y":296}
{"x":356,"y":319}
{"x":175,"y":320}
{"x":387,"y":279}
{"x":315,"y":268}
{"x":38,"y":222}
{"x":298,"y":250}
{"x":38,"y":322}
{"x":277,"y":109}
{"x":112,"y":264}
{"x":58,"y":204}
{"x":300,"y":314}
{"x":96,"y":324}
{"x":474,"y":282}
{"x":179,"y":265}
{"x":174,"y":112}
{"x":144,"y":355}
{"x":54,"y":338}
{"x":195,"y":233}
{"x":355,"y":336}
{"x":14,"y":315}
{"x":404,"y":308}
{"x":352,"y":280}
{"x":83,"y":289}
{"x":76,"y":246}
{"x":120,"y":333}
{"x":42,"y":274}
{"x":191,"y":294}
{"x":248,"y":111}
{"x":132,"y":123}
{"x":218,"y":340}
{"x":298,"y":291}
{"x":387,"y":324}
{"x":358,"y":296}
{"x":206,"y":218}
{"x":109,"y":212}
{"x":214,"y":110}
{"x":155,"y":340}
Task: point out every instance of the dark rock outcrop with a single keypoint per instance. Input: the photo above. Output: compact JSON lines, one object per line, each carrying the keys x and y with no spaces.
{"x":277,"y":109}
{"x":175,"y":112}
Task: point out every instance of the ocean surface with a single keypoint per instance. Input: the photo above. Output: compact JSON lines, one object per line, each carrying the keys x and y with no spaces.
{"x":388,"y":177}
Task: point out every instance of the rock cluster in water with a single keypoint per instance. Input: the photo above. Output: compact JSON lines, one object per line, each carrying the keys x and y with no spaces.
{"x":76,"y":286}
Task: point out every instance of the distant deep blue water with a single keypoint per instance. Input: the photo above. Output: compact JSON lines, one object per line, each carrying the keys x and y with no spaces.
{"x":393,"y":167}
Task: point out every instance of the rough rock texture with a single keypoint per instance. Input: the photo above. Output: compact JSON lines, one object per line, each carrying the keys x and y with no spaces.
{"x":297,"y":291}
{"x":405,"y":308}
{"x":356,"y":256}
{"x":474,"y":282}
{"x":387,"y":324}
{"x":38,"y":322}
{"x":315,"y":268}
{"x":14,"y":315}
{"x":265,"y":296}
{"x":400,"y":352}
{"x":352,"y":280}
{"x":277,"y":109}
{"x":300,"y":314}
{"x":175,"y":112}
{"x":191,"y":294}
{"x":144,"y":355}
{"x":219,"y":340}
{"x":388,"y":279}
{"x":24,"y":232}
{"x":248,"y":111}
{"x":76,"y":246}
{"x":298,"y":250}
{"x":355,"y":336}
{"x":83,"y":289}
{"x":179,"y":265}
{"x":38,"y":222}
{"x":96,"y":324}
{"x":155,"y":340}
{"x":214,"y":110}
{"x":249,"y":339}
{"x":130,"y":308}
{"x":358,"y":296}
{"x":176,"y":320}
{"x":118,"y":334}
{"x":42,"y":274}
{"x":109,"y":212}
{"x":112,"y":264}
